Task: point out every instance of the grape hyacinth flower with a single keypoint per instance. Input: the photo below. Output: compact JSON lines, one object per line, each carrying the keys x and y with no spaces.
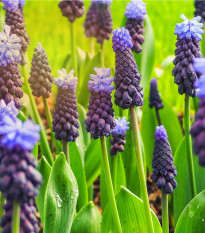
{"x":10,"y":77}
{"x":128,"y":90}
{"x":41,"y":78}
{"x":19,"y":178}
{"x":135,"y":13}
{"x":188,"y":48}
{"x":119,"y":134}
{"x":154,"y":97}
{"x":28,"y":220}
{"x":15,"y":19}
{"x":72,"y":9}
{"x":65,"y":117}
{"x":200,"y":9}
{"x":99,"y":121}
{"x":162,"y":163}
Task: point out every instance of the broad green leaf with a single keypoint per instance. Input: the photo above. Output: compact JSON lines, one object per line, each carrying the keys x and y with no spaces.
{"x":60,"y":197}
{"x":92,"y":161}
{"x":192,"y":218}
{"x":183,"y":187}
{"x":78,"y":170}
{"x":148,"y":126}
{"x":131,"y":213}
{"x":88,"y":220}
{"x":45,"y":169}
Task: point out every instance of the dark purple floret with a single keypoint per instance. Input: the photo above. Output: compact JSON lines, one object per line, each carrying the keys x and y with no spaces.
{"x":15,"y":20}
{"x":200,"y":9}
{"x":198,"y":133}
{"x":10,"y":85}
{"x":154,"y":97}
{"x":72,"y":9}
{"x":41,"y":78}
{"x":118,"y":141}
{"x":28,"y":220}
{"x":19,"y":178}
{"x":163,"y":170}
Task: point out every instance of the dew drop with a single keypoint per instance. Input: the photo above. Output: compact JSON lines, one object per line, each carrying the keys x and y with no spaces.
{"x":59,"y":200}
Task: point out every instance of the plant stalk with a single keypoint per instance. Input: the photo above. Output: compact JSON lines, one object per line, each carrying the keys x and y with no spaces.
{"x":66,"y":150}
{"x":45,"y":149}
{"x":16,"y":217}
{"x":110,"y":190}
{"x":158,"y":116}
{"x":189,"y":146}
{"x":47,"y":112}
{"x":114,"y":172}
{"x":2,"y":202}
{"x":141,"y":170}
{"x":165,"y":215}
{"x":73,"y":49}
{"x":102,"y":54}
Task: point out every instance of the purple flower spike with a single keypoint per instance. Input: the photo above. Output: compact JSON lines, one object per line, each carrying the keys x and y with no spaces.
{"x":9,"y":47}
{"x":104,"y":1}
{"x":200,"y":9}
{"x":8,"y":110}
{"x":10,"y":5}
{"x":189,"y":28}
{"x":136,"y":10}
{"x":121,"y":39}
{"x":19,"y":134}
{"x":154,"y":97}
{"x":163,"y":170}
{"x":121,"y":126}
{"x":199,"y":65}
{"x":101,"y":81}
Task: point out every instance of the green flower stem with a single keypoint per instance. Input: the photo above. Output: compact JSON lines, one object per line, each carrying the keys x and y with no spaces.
{"x":158,"y":116}
{"x":110,"y":190}
{"x":66,"y":150}
{"x":48,"y":113}
{"x":141,"y":172}
{"x":102,"y":54}
{"x":92,"y":45}
{"x":46,"y":151}
{"x":90,"y":193}
{"x":73,"y":49}
{"x":16,"y":217}
{"x":2,"y":202}
{"x":165,"y":215}
{"x":189,"y":146}
{"x":114,"y":172}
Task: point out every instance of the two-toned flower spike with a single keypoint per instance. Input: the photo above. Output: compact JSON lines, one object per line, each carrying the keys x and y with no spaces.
{"x":118,"y":135}
{"x":188,"y":48}
{"x":72,"y":9}
{"x":135,"y":13}
{"x":154,"y":97}
{"x":163,"y":170}
{"x":10,"y":77}
{"x":128,"y":90}
{"x":65,"y":117}
{"x":99,"y":121}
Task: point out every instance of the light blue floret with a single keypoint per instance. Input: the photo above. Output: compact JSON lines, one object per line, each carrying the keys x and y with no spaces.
{"x":22,"y":3}
{"x":65,"y":80}
{"x":121,"y":126}
{"x":101,"y":81}
{"x":136,"y":9}
{"x":9,"y":110}
{"x":10,"y":46}
{"x":189,"y":28}
{"x":121,"y":39}
{"x":103,"y":1}
{"x":19,"y":134}
{"x":10,"y":5}
{"x":199,"y":66}
{"x":160,"y":133}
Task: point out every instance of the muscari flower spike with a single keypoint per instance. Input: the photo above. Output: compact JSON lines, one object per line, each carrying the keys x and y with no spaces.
{"x":199,"y":66}
{"x":189,"y":28}
{"x":200,"y":9}
{"x":8,"y":110}
{"x":136,"y":9}
{"x":10,"y":5}
{"x":10,"y":47}
{"x":65,"y":117}
{"x":41,"y":78}
{"x":99,"y":121}
{"x":119,"y":134}
{"x":154,"y":97}
{"x":163,"y":170}
{"x":104,"y":1}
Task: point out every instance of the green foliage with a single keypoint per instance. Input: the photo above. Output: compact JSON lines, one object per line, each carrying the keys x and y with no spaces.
{"x":88,"y":220}
{"x":192,"y":217}
{"x":131,"y":213}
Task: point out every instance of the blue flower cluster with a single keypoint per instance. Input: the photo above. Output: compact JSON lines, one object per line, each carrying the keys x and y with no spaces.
{"x":160,"y":133}
{"x":65,"y":80}
{"x":10,"y":5}
{"x":10,"y":47}
{"x":189,"y":28}
{"x":136,"y":10}
{"x":121,"y":39}
{"x":101,"y":81}
{"x":121,"y":126}
{"x":199,"y":66}
{"x":9,"y":110}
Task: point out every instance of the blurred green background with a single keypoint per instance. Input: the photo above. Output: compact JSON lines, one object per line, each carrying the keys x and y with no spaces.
{"x":46,"y":24}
